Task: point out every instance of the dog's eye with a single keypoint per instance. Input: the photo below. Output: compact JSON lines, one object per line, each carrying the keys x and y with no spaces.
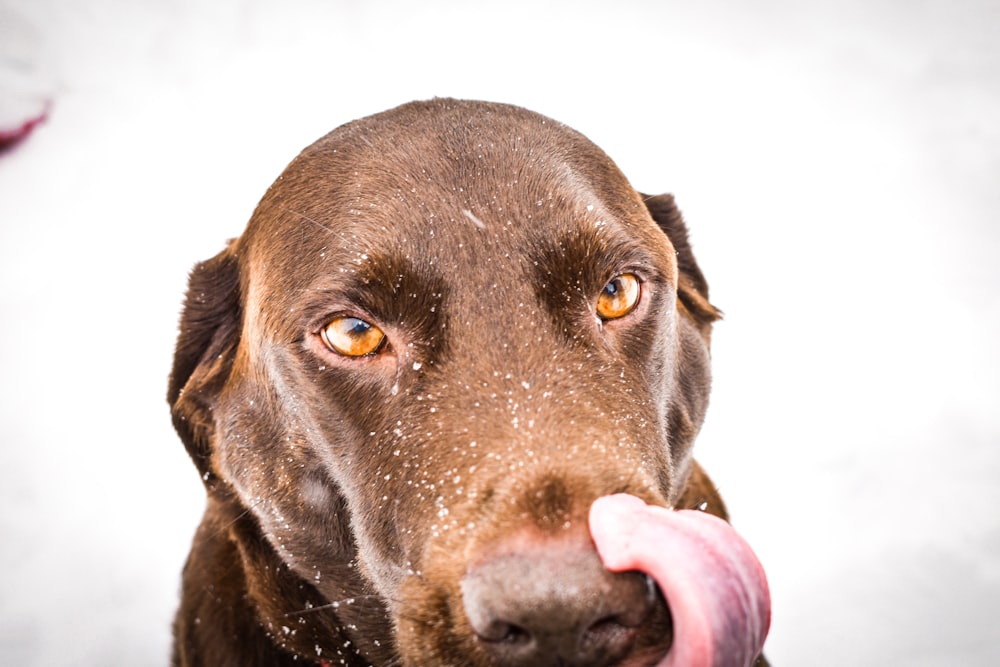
{"x":618,"y":297}
{"x":352,"y":337}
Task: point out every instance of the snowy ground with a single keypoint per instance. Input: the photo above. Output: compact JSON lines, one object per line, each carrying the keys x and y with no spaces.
{"x":838,"y":162}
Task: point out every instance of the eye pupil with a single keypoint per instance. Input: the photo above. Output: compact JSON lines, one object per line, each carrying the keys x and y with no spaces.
{"x":357,"y":327}
{"x":352,"y":337}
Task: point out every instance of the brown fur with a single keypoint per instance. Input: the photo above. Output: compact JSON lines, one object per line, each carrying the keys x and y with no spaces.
{"x":348,"y":498}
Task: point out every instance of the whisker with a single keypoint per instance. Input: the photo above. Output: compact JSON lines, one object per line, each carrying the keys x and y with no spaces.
{"x":308,"y":219}
{"x":239,"y":516}
{"x":336,"y":604}
{"x":704,"y":501}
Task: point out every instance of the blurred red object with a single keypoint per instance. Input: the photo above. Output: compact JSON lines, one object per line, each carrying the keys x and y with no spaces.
{"x":13,"y":131}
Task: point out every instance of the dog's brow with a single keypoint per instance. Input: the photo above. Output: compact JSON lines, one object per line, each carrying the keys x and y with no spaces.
{"x":387,"y":286}
{"x":595,"y":254}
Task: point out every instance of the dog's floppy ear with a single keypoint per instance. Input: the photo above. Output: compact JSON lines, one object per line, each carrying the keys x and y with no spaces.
{"x":203,"y":357}
{"x":692,"y":288}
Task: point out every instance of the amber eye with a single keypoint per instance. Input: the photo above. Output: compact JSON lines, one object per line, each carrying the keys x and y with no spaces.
{"x":618,"y":297}
{"x":352,"y":337}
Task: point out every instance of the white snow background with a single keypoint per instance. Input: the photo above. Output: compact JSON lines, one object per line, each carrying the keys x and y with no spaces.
{"x":838,"y":163}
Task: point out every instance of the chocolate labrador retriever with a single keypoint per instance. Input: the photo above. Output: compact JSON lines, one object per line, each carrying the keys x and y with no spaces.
{"x":446,"y":331}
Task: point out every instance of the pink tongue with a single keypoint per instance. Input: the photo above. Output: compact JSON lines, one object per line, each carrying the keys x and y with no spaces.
{"x":713,"y":583}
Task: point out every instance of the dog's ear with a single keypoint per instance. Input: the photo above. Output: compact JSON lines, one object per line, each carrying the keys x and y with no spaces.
{"x":692,"y":288}
{"x":203,"y":357}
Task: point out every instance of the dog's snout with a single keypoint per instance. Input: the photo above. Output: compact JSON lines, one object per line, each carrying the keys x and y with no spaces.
{"x":555,"y":605}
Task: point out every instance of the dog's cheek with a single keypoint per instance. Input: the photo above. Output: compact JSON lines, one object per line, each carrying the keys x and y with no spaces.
{"x":689,"y":399}
{"x":651,"y":353}
{"x":262,"y":454}
{"x":347,"y":451}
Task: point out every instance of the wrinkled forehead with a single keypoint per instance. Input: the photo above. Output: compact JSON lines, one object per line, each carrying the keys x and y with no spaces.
{"x":377,"y":201}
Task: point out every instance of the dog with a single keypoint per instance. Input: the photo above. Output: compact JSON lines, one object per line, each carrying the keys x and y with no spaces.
{"x":447,"y":329}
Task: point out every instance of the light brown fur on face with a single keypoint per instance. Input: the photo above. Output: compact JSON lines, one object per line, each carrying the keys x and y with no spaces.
{"x":357,"y":506}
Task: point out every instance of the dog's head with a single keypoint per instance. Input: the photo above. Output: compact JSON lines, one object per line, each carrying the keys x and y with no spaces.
{"x":446,"y":331}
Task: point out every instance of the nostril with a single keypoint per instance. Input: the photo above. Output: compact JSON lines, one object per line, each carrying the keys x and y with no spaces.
{"x":608,"y":631}
{"x":609,"y":624}
{"x":516,"y":636}
{"x":499,"y":632}
{"x":621,"y":626}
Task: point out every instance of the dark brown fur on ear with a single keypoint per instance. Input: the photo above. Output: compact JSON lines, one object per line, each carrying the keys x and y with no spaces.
{"x":209,"y":332}
{"x":702,"y":494}
{"x":692,"y":288}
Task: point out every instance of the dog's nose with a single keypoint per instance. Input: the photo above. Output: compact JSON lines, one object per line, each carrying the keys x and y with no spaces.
{"x":556,"y":605}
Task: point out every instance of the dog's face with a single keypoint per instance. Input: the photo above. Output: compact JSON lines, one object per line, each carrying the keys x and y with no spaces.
{"x":446,"y":331}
